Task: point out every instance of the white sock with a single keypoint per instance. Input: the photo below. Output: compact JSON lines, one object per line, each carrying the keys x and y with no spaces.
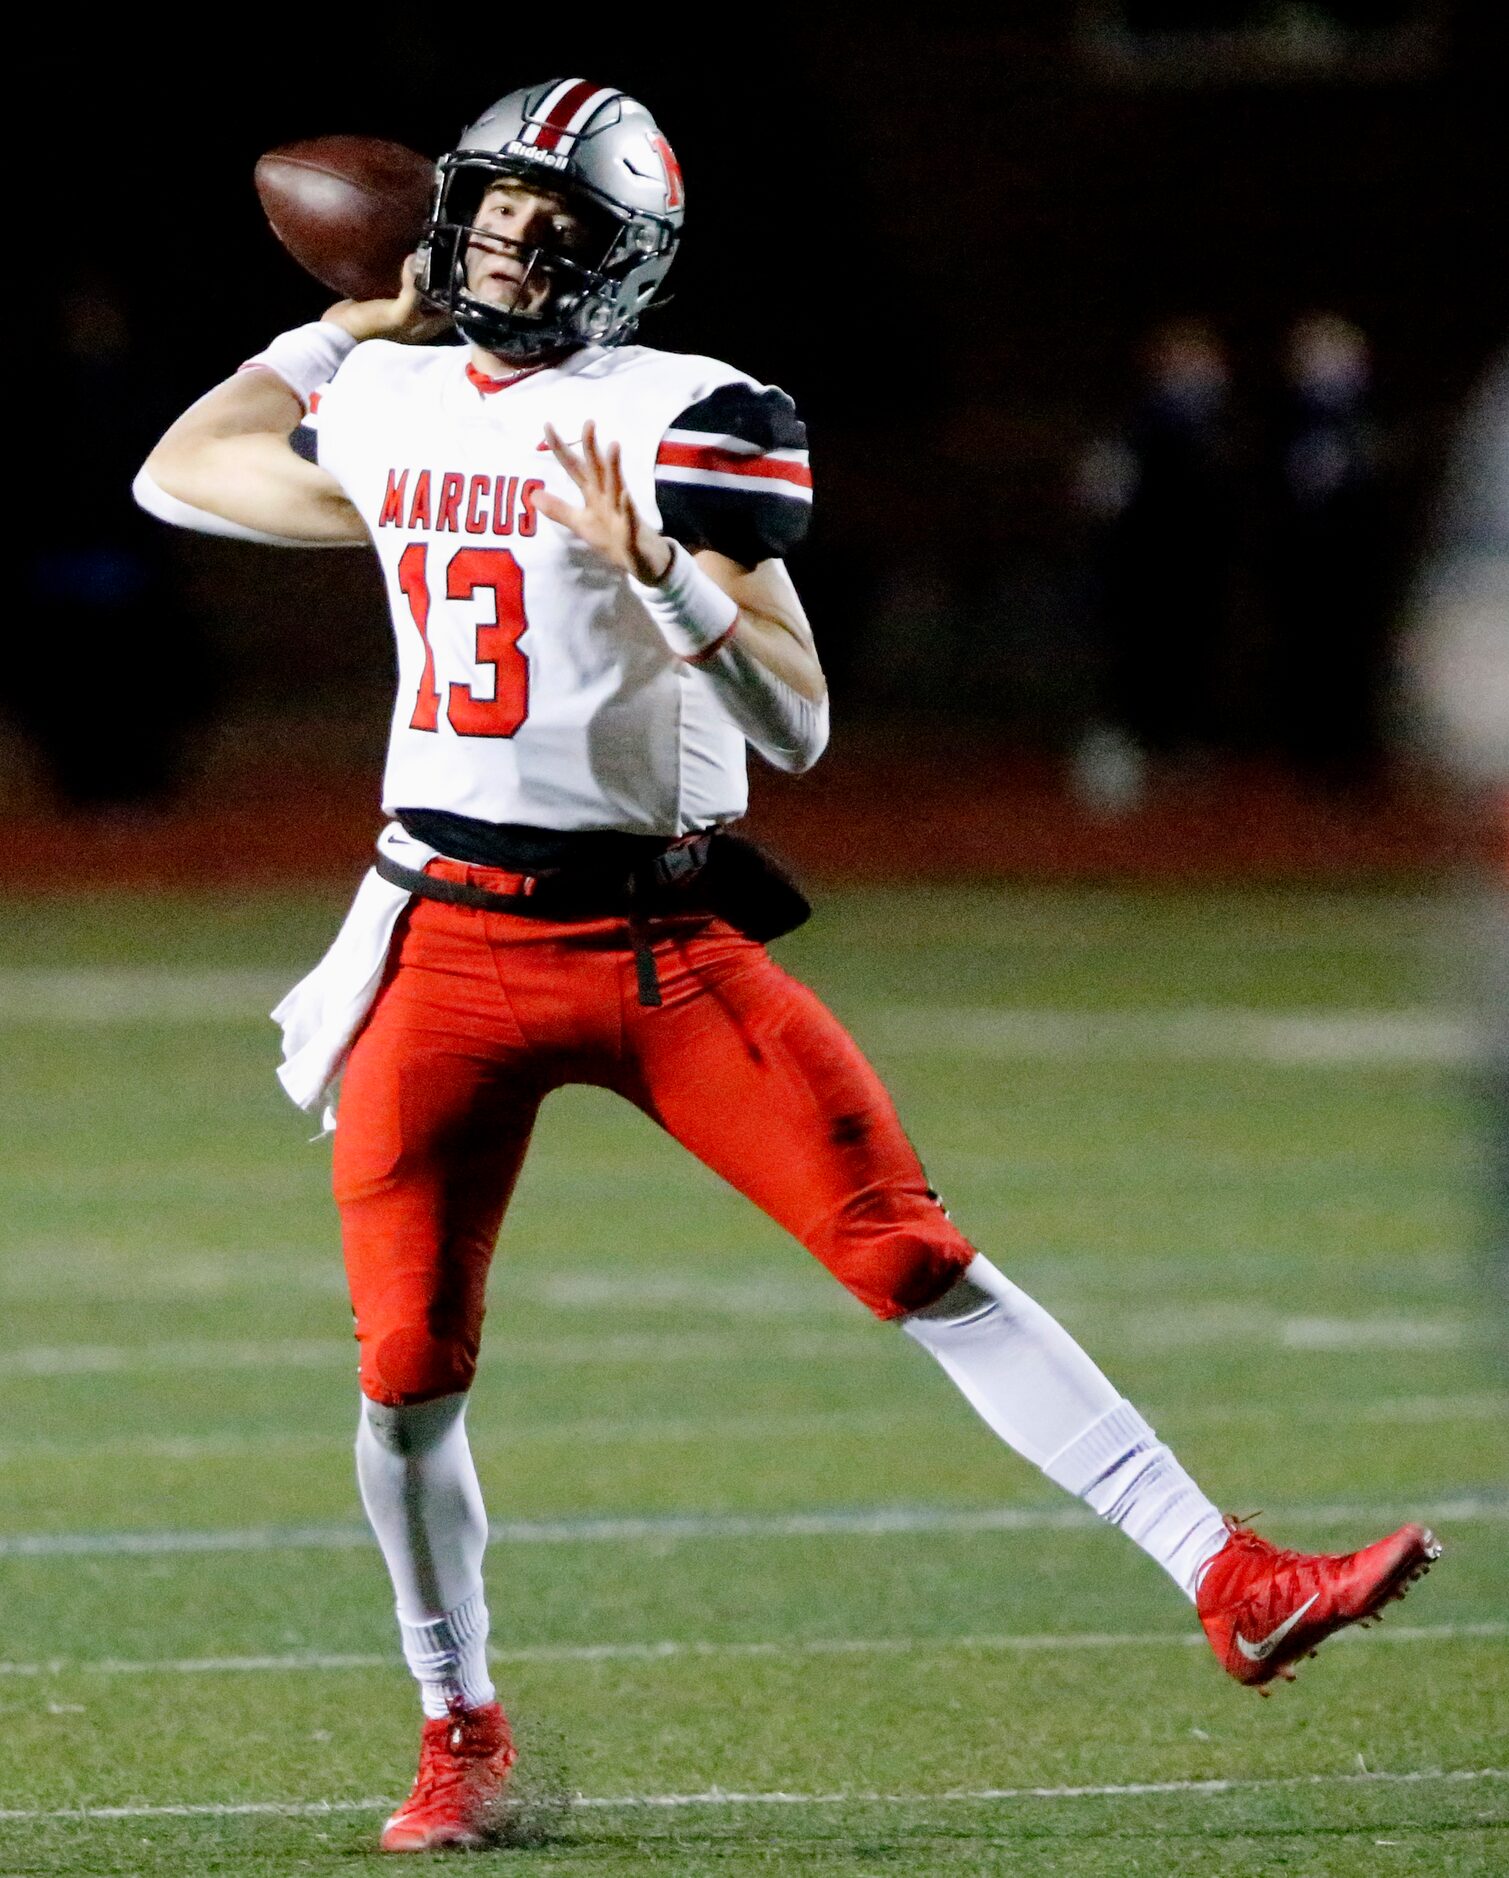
{"x":1030,"y":1382}
{"x":448,"y":1656}
{"x":420,"y":1488}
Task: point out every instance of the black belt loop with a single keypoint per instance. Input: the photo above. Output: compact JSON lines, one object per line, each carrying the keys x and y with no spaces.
{"x":644,"y":955}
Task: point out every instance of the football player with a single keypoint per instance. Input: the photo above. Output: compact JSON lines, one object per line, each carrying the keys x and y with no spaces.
{"x":584,"y":545}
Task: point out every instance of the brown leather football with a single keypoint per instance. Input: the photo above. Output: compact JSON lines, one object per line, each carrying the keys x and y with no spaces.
{"x":348,"y":209}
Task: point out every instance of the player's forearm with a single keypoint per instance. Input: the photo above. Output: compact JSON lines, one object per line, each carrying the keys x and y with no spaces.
{"x":787,"y":726}
{"x":782,"y":648}
{"x":746,"y":633}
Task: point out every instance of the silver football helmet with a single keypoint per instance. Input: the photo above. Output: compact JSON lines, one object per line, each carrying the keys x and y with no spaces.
{"x":603,"y":151}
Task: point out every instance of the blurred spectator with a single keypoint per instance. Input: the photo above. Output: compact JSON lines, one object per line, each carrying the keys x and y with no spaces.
{"x":1457,"y":673}
{"x":109,"y":674}
{"x":1328,"y":566}
{"x":1162,"y":495}
{"x":1457,"y":656}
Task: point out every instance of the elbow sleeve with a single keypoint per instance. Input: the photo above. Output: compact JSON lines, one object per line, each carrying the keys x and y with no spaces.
{"x":788,"y":730}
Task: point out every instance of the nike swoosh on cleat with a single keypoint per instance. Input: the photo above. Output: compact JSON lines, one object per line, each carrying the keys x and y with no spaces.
{"x":1260,"y":1652}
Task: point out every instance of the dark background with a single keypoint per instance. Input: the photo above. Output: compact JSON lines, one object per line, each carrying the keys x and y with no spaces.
{"x":947,"y":241}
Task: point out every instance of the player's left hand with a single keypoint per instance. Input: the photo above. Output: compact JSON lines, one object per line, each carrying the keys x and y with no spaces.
{"x":607,"y":519}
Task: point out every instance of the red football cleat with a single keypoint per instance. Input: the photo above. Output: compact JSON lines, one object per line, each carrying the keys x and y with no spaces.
{"x":1263,"y":1608}
{"x":464,"y":1763}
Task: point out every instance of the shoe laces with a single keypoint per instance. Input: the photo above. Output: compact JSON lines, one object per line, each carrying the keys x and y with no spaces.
{"x":446,"y":1761}
{"x":1289,"y":1575}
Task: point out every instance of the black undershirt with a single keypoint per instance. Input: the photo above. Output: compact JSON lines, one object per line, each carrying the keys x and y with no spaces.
{"x":523,"y":850}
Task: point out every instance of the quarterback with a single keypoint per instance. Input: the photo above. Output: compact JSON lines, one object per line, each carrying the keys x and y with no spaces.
{"x":583,"y":541}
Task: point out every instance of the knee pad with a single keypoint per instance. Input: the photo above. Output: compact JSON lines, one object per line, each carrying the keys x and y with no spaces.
{"x":407,"y":1366}
{"x":900,"y":1270}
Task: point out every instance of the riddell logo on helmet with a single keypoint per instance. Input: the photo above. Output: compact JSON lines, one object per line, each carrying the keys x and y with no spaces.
{"x":552,"y":158}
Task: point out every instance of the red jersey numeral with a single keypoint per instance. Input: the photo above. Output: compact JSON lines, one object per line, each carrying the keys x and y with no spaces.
{"x":499,"y":573}
{"x":411,"y":580}
{"x":470,"y":571}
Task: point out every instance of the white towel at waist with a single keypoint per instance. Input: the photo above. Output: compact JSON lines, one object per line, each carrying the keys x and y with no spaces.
{"x":322,"y":1014}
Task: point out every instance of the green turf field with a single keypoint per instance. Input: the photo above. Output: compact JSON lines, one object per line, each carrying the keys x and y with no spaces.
{"x":764,"y":1595}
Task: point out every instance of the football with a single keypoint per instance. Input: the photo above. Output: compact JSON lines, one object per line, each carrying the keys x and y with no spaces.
{"x":348,"y":209}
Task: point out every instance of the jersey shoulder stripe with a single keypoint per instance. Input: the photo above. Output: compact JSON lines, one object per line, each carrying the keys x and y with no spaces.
{"x":732,"y":473}
{"x":685,"y":456}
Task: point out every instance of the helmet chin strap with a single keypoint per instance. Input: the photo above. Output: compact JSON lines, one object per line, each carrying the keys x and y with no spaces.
{"x":517,"y":338}
{"x":514,"y":344}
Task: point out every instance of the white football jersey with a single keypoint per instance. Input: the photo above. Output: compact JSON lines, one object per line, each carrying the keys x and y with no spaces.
{"x":532,"y":686}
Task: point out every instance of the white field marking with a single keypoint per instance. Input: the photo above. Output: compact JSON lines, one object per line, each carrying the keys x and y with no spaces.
{"x":1180,"y":1327}
{"x":100,"y":1359}
{"x":131,"y":1273}
{"x":147,"y":994}
{"x":504,"y":1437}
{"x":657,"y":1347}
{"x":1373,"y":1333}
{"x":1326,"y":1039}
{"x":761,"y":1297}
{"x":719,"y":1796}
{"x":671,"y":1650}
{"x":671,"y":1528}
{"x":1415,"y":1410}
{"x":93,"y":997}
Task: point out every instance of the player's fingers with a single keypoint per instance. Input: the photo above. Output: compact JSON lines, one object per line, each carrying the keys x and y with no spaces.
{"x":557,"y":509}
{"x":616,"y":489}
{"x":566,"y":459}
{"x":627,"y":513}
{"x":593,"y":454}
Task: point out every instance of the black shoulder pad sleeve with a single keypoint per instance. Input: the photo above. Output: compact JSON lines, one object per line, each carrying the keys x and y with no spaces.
{"x":732,"y":475}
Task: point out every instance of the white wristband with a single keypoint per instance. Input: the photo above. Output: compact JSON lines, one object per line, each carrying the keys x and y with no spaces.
{"x":692,"y":611}
{"x":306,"y":358}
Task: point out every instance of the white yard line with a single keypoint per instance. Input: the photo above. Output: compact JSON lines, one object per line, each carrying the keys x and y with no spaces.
{"x":720,"y":1797}
{"x":1323,"y":1039}
{"x":657,"y":1347}
{"x":105,"y":1359}
{"x":668,"y":1528}
{"x":850,"y":1338}
{"x":1418,"y":1035}
{"x":503,"y":1436}
{"x":127,"y":1271}
{"x":154,"y":994}
{"x":672,"y":1650}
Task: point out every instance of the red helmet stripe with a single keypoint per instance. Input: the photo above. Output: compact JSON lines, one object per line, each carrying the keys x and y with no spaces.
{"x":570,"y":113}
{"x":534,"y":125}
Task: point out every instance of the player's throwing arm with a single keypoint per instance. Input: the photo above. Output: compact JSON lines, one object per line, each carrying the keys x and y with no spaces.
{"x":225,"y":467}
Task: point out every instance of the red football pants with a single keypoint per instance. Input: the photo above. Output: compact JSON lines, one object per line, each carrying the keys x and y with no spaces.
{"x":481,"y":1014}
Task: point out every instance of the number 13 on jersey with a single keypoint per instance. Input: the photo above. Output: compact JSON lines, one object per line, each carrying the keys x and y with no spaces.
{"x":471,"y":572}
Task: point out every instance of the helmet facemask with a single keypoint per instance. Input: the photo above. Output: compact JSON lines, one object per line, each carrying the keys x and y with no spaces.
{"x":592,"y":294}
